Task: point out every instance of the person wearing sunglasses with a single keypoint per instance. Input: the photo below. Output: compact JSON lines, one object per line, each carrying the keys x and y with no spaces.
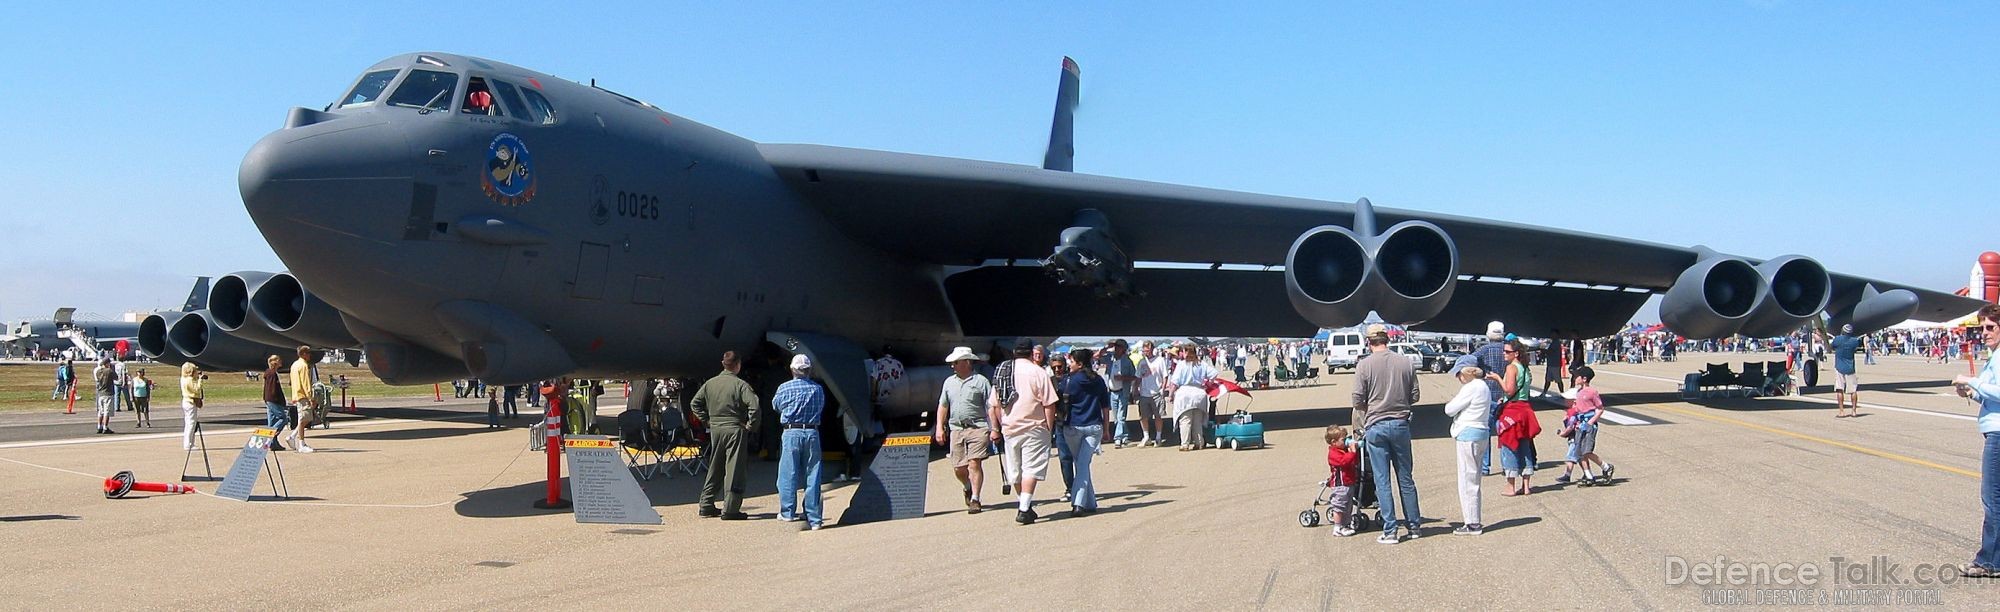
{"x":1986,"y":389}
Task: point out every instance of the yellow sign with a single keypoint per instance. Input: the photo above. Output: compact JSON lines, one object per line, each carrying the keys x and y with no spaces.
{"x":575,"y":443}
{"x":265,"y":432}
{"x":907,"y":440}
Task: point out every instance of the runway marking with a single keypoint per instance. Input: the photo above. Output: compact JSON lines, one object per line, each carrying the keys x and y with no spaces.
{"x":1805,"y":398}
{"x":1609,"y":414}
{"x":220,"y":432}
{"x":1853,"y":447}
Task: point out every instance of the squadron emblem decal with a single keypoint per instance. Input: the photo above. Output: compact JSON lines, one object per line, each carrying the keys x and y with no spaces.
{"x":510,"y":172}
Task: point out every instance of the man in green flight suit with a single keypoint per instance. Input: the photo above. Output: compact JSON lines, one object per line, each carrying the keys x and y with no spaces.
{"x":729,"y":407}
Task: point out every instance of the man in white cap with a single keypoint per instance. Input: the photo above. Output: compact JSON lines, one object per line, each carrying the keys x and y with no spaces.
{"x":1846,"y":391}
{"x":965,"y":424}
{"x":800,"y":403}
{"x":1492,"y":359}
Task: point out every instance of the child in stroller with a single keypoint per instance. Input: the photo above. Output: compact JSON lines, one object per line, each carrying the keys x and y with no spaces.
{"x":1337,"y":492}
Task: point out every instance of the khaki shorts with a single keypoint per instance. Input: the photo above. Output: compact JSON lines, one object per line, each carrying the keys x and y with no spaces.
{"x":1027,"y":454}
{"x":1149,"y":407}
{"x":969,"y":446}
{"x":1845,"y":382}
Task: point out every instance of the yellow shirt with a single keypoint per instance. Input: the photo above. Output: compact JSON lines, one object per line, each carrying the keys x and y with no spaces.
{"x":191,"y":387}
{"x":302,"y":381}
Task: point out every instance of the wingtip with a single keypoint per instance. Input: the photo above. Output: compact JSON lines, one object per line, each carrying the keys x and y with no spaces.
{"x":1069,"y":66}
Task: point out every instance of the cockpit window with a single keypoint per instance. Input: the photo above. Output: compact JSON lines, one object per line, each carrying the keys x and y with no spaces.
{"x":479,"y":99}
{"x":369,"y":88}
{"x":426,"y":89}
{"x":538,"y":106}
{"x":512,"y":97}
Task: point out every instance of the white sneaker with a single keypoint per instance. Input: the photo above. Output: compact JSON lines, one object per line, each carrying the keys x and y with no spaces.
{"x":1343,"y":531}
{"x":1387,"y":538}
{"x":301,"y":447}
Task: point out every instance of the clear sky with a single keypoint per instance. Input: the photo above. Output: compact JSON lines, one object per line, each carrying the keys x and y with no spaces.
{"x":1860,"y":133}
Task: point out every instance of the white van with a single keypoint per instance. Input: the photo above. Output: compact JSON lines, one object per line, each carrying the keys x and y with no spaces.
{"x":1344,"y":348}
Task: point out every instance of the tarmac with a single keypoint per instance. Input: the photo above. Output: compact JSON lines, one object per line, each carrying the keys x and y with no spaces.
{"x":420,"y":506}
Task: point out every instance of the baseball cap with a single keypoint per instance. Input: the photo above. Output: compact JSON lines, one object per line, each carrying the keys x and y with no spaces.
{"x":1847,"y":329}
{"x":1024,"y":344}
{"x":801,"y":362}
{"x":1378,"y":332}
{"x":1496,"y":328}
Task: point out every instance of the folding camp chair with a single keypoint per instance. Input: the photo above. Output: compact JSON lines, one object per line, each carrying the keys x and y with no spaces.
{"x":645,"y":449}
{"x":683,"y":447}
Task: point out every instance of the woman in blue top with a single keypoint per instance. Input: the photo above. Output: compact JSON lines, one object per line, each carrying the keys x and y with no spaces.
{"x":1089,"y":401}
{"x":1986,"y":388}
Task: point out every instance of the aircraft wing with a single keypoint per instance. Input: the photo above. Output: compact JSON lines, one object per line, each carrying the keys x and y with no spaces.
{"x":964,"y":212}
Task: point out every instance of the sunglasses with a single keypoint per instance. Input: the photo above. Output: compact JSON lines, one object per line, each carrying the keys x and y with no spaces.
{"x":1989,"y":326}
{"x":1507,"y":352}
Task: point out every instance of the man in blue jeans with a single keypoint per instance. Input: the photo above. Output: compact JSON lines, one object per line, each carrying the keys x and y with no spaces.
{"x":1385,"y":386}
{"x":800,"y":403}
{"x":1122,"y":377}
{"x":1986,"y":389}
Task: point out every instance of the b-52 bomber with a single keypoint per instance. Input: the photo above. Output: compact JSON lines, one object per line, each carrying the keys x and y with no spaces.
{"x":456,"y":216}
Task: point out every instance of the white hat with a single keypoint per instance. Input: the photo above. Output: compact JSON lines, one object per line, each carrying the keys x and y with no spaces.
{"x":1496,"y":328}
{"x":801,"y":362}
{"x":960,"y":354}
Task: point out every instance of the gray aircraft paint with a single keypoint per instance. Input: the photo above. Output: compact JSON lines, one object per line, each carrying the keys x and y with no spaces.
{"x":651,"y":243}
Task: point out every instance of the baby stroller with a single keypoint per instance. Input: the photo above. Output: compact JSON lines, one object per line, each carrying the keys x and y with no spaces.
{"x":1361,"y":496}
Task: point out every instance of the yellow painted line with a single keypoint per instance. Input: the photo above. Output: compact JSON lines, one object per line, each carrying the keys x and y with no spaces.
{"x":1853,"y":447}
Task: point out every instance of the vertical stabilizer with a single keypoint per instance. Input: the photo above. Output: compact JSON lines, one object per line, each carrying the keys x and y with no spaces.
{"x":198,"y":296}
{"x":1062,"y":133}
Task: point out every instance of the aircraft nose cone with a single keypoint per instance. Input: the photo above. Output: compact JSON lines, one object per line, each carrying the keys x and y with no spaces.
{"x":350,"y":174}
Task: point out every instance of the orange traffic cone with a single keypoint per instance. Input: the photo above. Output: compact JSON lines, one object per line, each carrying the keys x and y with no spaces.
{"x":72,"y":400}
{"x":121,"y":483}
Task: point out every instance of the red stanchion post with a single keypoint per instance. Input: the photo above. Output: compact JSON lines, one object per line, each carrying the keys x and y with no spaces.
{"x":72,"y":400}
{"x":552,"y":446}
{"x":437,"y":393}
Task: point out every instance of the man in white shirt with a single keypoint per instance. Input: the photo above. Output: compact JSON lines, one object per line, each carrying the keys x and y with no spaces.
{"x":1152,"y":372}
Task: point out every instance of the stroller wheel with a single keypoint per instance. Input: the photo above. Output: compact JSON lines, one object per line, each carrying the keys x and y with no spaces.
{"x":1308,"y":518}
{"x":1233,"y":445}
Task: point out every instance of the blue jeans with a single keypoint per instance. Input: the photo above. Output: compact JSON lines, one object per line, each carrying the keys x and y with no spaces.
{"x":1989,"y":494}
{"x":800,"y":458}
{"x":1519,"y":461}
{"x":1120,"y":402}
{"x":1389,"y":447}
{"x":274,"y":415}
{"x":1064,"y":456}
{"x":1080,"y":445}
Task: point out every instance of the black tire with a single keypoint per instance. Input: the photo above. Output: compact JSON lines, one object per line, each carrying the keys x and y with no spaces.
{"x":1308,"y":518}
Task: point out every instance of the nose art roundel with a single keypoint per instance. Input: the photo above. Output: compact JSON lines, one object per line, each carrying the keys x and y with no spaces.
{"x":509,"y":176}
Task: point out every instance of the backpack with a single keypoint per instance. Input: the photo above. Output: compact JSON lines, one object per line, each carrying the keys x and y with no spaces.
{"x":1003,"y":384}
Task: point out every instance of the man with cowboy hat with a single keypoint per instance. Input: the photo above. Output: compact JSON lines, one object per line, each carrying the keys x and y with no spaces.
{"x":963,"y":406}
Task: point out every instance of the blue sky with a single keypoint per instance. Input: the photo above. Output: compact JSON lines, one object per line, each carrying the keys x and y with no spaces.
{"x":1862,"y":134}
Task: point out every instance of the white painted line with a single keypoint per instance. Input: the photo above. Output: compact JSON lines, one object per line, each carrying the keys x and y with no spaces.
{"x":1609,"y":414}
{"x":219,"y":432}
{"x":1623,"y":419}
{"x":1806,"y":398}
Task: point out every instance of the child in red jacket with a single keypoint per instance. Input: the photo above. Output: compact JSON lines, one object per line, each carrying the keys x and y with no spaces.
{"x":1345,"y":464}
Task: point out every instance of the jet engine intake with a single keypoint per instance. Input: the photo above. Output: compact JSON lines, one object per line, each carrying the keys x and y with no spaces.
{"x":204,"y":343}
{"x":285,"y":305}
{"x":1796,"y":289}
{"x":229,"y":308}
{"x":1335,"y":276}
{"x":153,"y":338}
{"x":1712,"y":298}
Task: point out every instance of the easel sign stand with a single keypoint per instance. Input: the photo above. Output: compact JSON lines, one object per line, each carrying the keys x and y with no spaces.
{"x":201,"y":442}
{"x":255,"y":457}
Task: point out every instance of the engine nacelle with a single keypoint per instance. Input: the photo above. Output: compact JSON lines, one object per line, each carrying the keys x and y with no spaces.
{"x":153,"y":338}
{"x":229,"y":308}
{"x":1335,"y":276}
{"x":1712,"y":298}
{"x":1796,"y":289}
{"x":214,"y":349}
{"x":1877,"y":310}
{"x":291,"y":311}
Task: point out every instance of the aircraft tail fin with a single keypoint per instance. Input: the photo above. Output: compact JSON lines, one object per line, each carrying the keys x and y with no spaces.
{"x":198,"y":296}
{"x":1062,"y":133}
